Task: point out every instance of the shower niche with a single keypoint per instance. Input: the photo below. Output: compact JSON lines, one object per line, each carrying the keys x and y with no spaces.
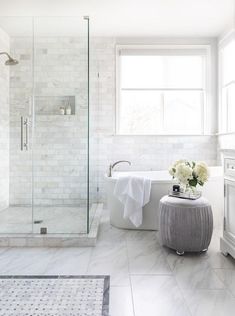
{"x":55,"y":105}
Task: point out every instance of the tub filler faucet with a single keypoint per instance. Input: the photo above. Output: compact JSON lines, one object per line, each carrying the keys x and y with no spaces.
{"x":111,"y":166}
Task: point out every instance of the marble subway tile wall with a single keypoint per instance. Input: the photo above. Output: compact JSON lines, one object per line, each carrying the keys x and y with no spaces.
{"x":145,"y":152}
{"x":56,"y":170}
{"x":4,"y":123}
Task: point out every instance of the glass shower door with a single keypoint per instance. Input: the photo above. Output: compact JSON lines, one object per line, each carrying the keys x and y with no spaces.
{"x":60,"y":131}
{"x":16,"y":39}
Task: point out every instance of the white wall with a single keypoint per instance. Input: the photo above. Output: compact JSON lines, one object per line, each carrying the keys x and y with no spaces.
{"x":145,"y":152}
{"x":4,"y":123}
{"x":59,"y":176}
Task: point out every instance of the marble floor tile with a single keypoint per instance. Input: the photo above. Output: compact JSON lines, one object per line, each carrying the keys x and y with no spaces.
{"x":109,"y":235}
{"x":121,"y":301}
{"x":210,"y":302}
{"x":110,"y":260}
{"x":214,"y":256}
{"x":157,"y":295}
{"x":227,"y":276}
{"x":26,"y":261}
{"x":147,"y":257}
{"x":69,"y":261}
{"x":141,"y":236}
{"x":195,"y":272}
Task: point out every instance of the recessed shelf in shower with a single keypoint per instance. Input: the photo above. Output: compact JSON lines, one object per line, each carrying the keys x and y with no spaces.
{"x":52,"y":105}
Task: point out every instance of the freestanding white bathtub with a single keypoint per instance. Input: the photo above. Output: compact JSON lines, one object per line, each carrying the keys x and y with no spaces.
{"x":161,"y":183}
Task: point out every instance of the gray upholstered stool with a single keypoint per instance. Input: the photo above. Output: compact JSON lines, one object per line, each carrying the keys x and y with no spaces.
{"x":185,"y":225}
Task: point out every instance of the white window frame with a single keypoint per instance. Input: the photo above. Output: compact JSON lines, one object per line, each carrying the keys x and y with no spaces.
{"x":207,"y":102}
{"x":227,"y":39}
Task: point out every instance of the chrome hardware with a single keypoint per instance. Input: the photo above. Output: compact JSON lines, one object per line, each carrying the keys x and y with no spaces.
{"x":111,"y":166}
{"x":24,"y":144}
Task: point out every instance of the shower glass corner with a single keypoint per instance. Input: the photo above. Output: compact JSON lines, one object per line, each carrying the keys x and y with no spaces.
{"x":47,"y":182}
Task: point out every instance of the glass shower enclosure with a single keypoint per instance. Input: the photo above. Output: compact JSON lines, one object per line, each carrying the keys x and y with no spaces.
{"x":48,"y":183}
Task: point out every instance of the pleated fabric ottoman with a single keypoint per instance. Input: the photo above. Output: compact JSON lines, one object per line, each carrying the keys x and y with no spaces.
{"x":185,"y":225}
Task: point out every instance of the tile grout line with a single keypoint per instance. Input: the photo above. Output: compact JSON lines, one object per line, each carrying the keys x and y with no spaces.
{"x":226,"y":286}
{"x":129,"y":276}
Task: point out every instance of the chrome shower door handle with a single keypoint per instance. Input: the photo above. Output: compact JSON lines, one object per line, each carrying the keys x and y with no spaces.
{"x":26,"y":123}
{"x":24,"y":144}
{"x":22,"y":133}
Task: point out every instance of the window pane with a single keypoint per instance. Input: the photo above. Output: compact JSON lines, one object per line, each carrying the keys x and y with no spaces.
{"x":228,"y":62}
{"x":231,"y":108}
{"x":142,"y":72}
{"x":182,"y":112}
{"x":161,"y":72}
{"x":140,"y":112}
{"x":184,"y":72}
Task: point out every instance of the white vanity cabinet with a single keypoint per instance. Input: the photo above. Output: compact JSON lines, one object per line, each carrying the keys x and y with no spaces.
{"x":227,"y":242}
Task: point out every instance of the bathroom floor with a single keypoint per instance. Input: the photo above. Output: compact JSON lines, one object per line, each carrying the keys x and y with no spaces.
{"x":146,"y":279}
{"x":57,"y":219}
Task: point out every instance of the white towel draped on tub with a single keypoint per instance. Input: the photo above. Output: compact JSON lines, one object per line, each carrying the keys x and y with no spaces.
{"x":133,"y":193}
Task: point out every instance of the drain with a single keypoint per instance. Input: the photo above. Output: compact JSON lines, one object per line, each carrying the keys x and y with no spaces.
{"x":38,"y":221}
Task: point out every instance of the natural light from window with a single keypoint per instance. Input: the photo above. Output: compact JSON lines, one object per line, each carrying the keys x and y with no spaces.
{"x":160,"y":94}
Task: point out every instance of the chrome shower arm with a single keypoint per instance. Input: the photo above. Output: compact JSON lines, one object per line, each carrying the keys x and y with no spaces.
{"x":5,"y":53}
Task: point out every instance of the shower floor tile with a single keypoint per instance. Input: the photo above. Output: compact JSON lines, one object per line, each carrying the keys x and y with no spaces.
{"x":57,"y":219}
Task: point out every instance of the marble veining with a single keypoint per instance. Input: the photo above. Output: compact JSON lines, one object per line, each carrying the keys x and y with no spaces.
{"x":146,"y":279}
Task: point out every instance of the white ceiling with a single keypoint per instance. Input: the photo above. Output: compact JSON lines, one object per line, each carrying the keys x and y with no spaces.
{"x":134,"y":17}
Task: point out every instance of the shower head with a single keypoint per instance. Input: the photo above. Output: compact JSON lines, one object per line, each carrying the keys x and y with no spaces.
{"x":10,"y":61}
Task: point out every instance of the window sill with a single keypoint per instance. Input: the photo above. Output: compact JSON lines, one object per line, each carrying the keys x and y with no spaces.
{"x":166,"y":135}
{"x":225,"y":133}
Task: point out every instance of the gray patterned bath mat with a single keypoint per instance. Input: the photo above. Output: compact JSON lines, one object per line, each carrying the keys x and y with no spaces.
{"x":54,"y":295}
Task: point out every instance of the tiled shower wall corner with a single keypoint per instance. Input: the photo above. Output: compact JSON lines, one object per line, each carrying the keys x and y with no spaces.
{"x":4,"y":123}
{"x":61,"y":141}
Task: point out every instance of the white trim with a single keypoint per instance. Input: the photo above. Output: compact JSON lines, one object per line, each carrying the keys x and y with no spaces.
{"x":208,"y":95}
{"x":163,"y":89}
{"x":226,"y":40}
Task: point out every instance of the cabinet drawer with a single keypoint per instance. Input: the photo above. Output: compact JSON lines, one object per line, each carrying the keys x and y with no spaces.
{"x":229,"y":167}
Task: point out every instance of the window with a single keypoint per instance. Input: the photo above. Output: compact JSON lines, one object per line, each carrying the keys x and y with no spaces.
{"x":161,"y":90}
{"x":227,"y":87}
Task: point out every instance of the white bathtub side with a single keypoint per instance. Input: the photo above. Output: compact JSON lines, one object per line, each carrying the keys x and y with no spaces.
{"x":150,"y":211}
{"x":161,"y":183}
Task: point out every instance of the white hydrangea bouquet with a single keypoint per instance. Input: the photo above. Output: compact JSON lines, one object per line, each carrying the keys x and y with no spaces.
{"x":189,"y":174}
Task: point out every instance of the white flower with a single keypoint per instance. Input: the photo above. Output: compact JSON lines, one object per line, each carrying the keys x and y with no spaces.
{"x":201,"y":172}
{"x":172,"y":169}
{"x":183,"y":173}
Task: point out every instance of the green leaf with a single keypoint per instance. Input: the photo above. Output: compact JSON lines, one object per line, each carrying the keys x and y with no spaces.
{"x":193,"y":182}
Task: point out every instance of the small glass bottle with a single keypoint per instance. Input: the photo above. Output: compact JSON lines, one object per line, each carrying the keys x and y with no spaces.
{"x":62,"y":110}
{"x":68,"y":109}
